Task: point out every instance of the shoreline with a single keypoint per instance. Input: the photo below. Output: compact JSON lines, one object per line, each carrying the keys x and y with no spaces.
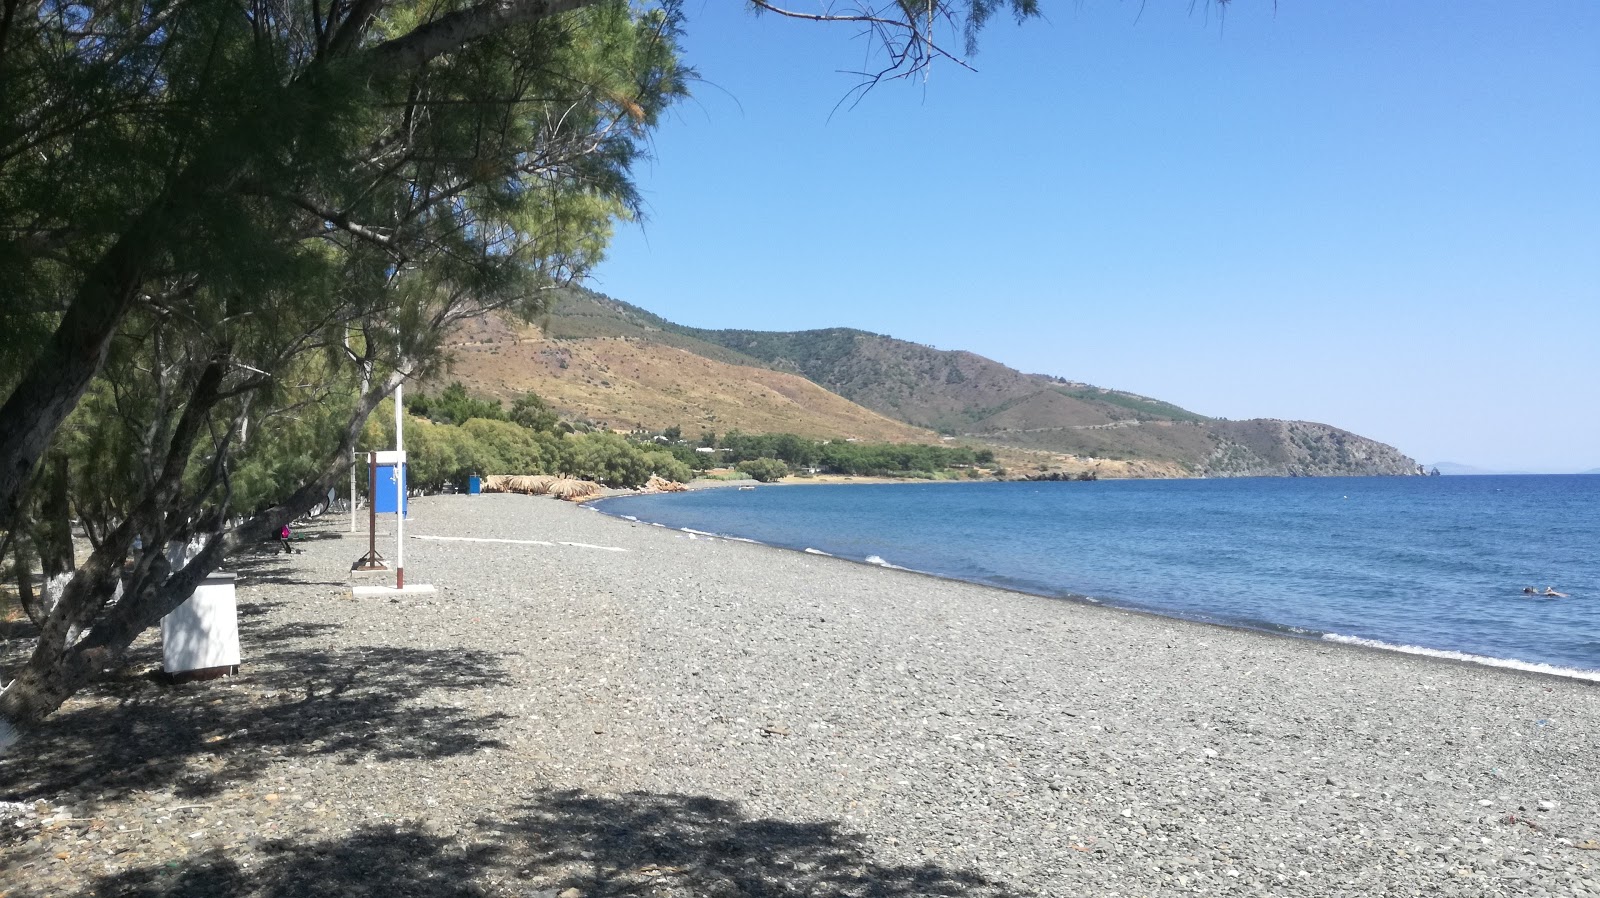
{"x":621,"y":709}
{"x":1342,"y":641}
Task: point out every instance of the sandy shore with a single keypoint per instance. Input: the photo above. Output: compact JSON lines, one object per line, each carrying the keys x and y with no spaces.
{"x":602,"y":708}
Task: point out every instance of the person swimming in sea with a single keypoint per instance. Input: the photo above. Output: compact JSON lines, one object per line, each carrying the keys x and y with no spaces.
{"x":1550,"y":593}
{"x":1529,"y":591}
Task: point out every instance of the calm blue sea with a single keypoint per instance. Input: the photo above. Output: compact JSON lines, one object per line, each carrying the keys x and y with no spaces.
{"x":1435,"y":564}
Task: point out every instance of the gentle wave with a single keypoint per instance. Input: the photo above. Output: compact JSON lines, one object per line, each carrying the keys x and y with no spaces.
{"x":1592,"y":676}
{"x":810,"y":551}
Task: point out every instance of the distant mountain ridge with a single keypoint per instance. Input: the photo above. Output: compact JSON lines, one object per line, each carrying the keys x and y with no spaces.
{"x":963,"y":393}
{"x":955,"y":393}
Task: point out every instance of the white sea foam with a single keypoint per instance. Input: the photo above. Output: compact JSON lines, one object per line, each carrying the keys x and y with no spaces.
{"x":1511,"y":663}
{"x":693,"y":532}
{"x":629,"y":517}
{"x":873,"y":559}
{"x":811,"y":551}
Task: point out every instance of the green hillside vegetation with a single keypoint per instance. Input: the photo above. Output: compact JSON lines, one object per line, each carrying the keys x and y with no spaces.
{"x":1140,"y":405}
{"x":464,"y":436}
{"x":852,"y":458}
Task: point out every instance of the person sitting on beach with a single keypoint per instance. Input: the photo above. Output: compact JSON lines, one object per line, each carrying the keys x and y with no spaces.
{"x":1550,"y":592}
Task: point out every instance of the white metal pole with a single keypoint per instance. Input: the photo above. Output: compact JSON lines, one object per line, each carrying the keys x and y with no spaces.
{"x":352,"y":490}
{"x":399,"y":492}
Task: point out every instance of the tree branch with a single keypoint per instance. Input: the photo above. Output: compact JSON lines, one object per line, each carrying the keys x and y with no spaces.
{"x":448,"y":32}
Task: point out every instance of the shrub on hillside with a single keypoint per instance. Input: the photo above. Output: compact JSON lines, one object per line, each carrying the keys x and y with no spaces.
{"x":667,"y":465}
{"x":618,"y":462}
{"x":765,"y":470}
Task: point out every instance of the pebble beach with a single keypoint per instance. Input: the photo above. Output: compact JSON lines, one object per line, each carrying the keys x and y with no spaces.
{"x":589,"y":706}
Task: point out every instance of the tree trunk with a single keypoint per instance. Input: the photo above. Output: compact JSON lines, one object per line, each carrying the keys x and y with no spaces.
{"x":59,"y":374}
{"x":53,"y":535}
{"x":39,"y":689}
{"x":25,"y":594}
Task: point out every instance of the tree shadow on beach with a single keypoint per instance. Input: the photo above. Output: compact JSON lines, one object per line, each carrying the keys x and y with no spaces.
{"x":373,"y":862}
{"x":263,"y":566}
{"x":135,"y":731}
{"x":695,"y":845}
{"x":661,"y":845}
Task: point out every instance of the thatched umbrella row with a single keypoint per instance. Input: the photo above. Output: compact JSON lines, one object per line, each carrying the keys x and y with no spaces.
{"x":571,"y":489}
{"x":566,"y":488}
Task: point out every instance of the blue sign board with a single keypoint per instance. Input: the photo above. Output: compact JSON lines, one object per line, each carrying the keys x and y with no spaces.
{"x":383,"y":491}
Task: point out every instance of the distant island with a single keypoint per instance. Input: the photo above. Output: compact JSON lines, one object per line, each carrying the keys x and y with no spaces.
{"x":602,"y":360}
{"x":1454,"y":468}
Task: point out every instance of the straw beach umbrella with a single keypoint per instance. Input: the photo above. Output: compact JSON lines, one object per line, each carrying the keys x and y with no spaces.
{"x":575,"y":490}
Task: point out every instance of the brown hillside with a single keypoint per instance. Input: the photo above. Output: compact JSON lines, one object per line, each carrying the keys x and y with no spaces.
{"x":627,"y":382}
{"x":605,"y":360}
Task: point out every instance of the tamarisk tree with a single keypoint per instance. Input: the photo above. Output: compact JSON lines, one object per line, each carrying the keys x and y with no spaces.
{"x":287,"y":226}
{"x":229,"y":230}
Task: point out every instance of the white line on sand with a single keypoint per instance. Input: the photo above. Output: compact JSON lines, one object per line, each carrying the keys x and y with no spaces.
{"x":520,"y":542}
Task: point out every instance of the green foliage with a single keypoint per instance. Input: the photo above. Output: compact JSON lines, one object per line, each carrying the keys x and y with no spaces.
{"x":453,"y":406}
{"x":881,"y":459}
{"x":606,"y":458}
{"x":442,"y":454}
{"x":690,"y":459}
{"x":765,"y":470}
{"x":791,"y":449}
{"x":1140,"y":405}
{"x":500,"y":446}
{"x":667,"y":465}
{"x":530,"y":411}
{"x":856,"y":459}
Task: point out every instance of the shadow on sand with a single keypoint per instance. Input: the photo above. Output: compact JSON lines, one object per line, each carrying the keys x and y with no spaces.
{"x":669,"y":846}
{"x":357,"y":702}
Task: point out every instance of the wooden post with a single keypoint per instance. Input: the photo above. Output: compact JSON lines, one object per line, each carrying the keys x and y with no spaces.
{"x":371,"y":561}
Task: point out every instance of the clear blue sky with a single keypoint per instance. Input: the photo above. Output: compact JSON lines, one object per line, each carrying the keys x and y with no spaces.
{"x":1382,"y":216}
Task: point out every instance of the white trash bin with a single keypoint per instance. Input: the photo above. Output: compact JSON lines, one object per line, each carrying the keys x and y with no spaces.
{"x":200,"y":638}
